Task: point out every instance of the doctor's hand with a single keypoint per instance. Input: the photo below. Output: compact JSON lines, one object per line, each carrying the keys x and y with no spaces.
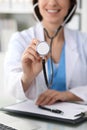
{"x":50,"y":97}
{"x":31,"y":61}
{"x":31,"y":64}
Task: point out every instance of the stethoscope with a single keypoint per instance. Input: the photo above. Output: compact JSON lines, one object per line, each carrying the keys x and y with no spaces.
{"x":43,"y":48}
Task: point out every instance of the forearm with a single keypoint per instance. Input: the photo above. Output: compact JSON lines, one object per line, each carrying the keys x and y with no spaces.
{"x":69,"y":96}
{"x":26,"y":82}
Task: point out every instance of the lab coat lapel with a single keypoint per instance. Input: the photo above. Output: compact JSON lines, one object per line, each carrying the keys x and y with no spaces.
{"x":71,"y":54}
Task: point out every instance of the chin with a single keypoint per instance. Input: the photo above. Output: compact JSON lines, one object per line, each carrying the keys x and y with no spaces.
{"x":54,"y":22}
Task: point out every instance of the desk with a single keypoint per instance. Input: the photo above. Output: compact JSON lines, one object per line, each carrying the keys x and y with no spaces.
{"x":22,"y":123}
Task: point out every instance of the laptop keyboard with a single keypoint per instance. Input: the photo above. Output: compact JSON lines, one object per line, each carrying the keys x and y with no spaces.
{"x":5,"y":127}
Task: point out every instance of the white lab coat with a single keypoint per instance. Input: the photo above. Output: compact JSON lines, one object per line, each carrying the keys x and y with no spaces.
{"x":75,"y":59}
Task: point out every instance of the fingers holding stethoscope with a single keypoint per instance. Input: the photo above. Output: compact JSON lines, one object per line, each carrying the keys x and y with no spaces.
{"x":30,"y":52}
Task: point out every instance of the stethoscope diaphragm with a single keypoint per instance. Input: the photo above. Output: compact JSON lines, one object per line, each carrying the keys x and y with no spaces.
{"x":42,"y":48}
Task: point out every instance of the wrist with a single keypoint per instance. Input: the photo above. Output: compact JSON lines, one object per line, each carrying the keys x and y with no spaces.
{"x":69,"y":96}
{"x":26,"y":81}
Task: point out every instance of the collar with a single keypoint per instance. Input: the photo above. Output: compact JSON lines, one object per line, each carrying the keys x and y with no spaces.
{"x":70,"y":36}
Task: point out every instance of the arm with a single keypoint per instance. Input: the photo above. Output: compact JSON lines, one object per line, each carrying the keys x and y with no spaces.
{"x":51,"y":96}
{"x":13,"y":71}
{"x":31,"y":65}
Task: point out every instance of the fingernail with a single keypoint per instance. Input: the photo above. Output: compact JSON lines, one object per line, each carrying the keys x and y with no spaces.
{"x":35,"y":41}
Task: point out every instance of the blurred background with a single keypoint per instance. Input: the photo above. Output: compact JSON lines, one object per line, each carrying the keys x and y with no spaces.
{"x":16,"y":15}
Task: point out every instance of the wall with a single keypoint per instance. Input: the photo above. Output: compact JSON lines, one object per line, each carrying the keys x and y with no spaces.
{"x":84,"y":16}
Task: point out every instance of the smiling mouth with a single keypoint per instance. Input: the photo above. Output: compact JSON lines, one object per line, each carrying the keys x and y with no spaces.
{"x":53,"y":11}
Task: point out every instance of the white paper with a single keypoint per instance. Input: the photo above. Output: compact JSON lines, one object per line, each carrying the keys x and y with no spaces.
{"x":69,"y":109}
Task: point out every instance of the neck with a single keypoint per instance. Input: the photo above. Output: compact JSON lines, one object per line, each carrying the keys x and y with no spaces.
{"x":58,"y":39}
{"x":49,"y":34}
{"x":51,"y":28}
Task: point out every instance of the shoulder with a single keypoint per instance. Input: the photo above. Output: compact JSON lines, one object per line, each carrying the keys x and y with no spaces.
{"x":28,"y":34}
{"x":76,"y":35}
{"x":23,"y":38}
{"x":24,"y":34}
{"x":77,"y":38}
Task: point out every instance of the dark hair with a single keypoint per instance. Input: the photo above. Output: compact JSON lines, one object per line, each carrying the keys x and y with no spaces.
{"x":37,"y":12}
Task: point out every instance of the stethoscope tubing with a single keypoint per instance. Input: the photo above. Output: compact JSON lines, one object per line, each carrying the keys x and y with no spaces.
{"x":43,"y":60}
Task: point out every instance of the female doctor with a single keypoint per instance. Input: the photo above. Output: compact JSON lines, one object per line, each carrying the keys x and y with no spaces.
{"x":67,"y":58}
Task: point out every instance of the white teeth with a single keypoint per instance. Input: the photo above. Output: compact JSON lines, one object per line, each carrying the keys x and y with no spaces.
{"x":52,"y":11}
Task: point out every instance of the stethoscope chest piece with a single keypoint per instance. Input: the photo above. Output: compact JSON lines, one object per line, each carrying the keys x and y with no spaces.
{"x":43,"y":48}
